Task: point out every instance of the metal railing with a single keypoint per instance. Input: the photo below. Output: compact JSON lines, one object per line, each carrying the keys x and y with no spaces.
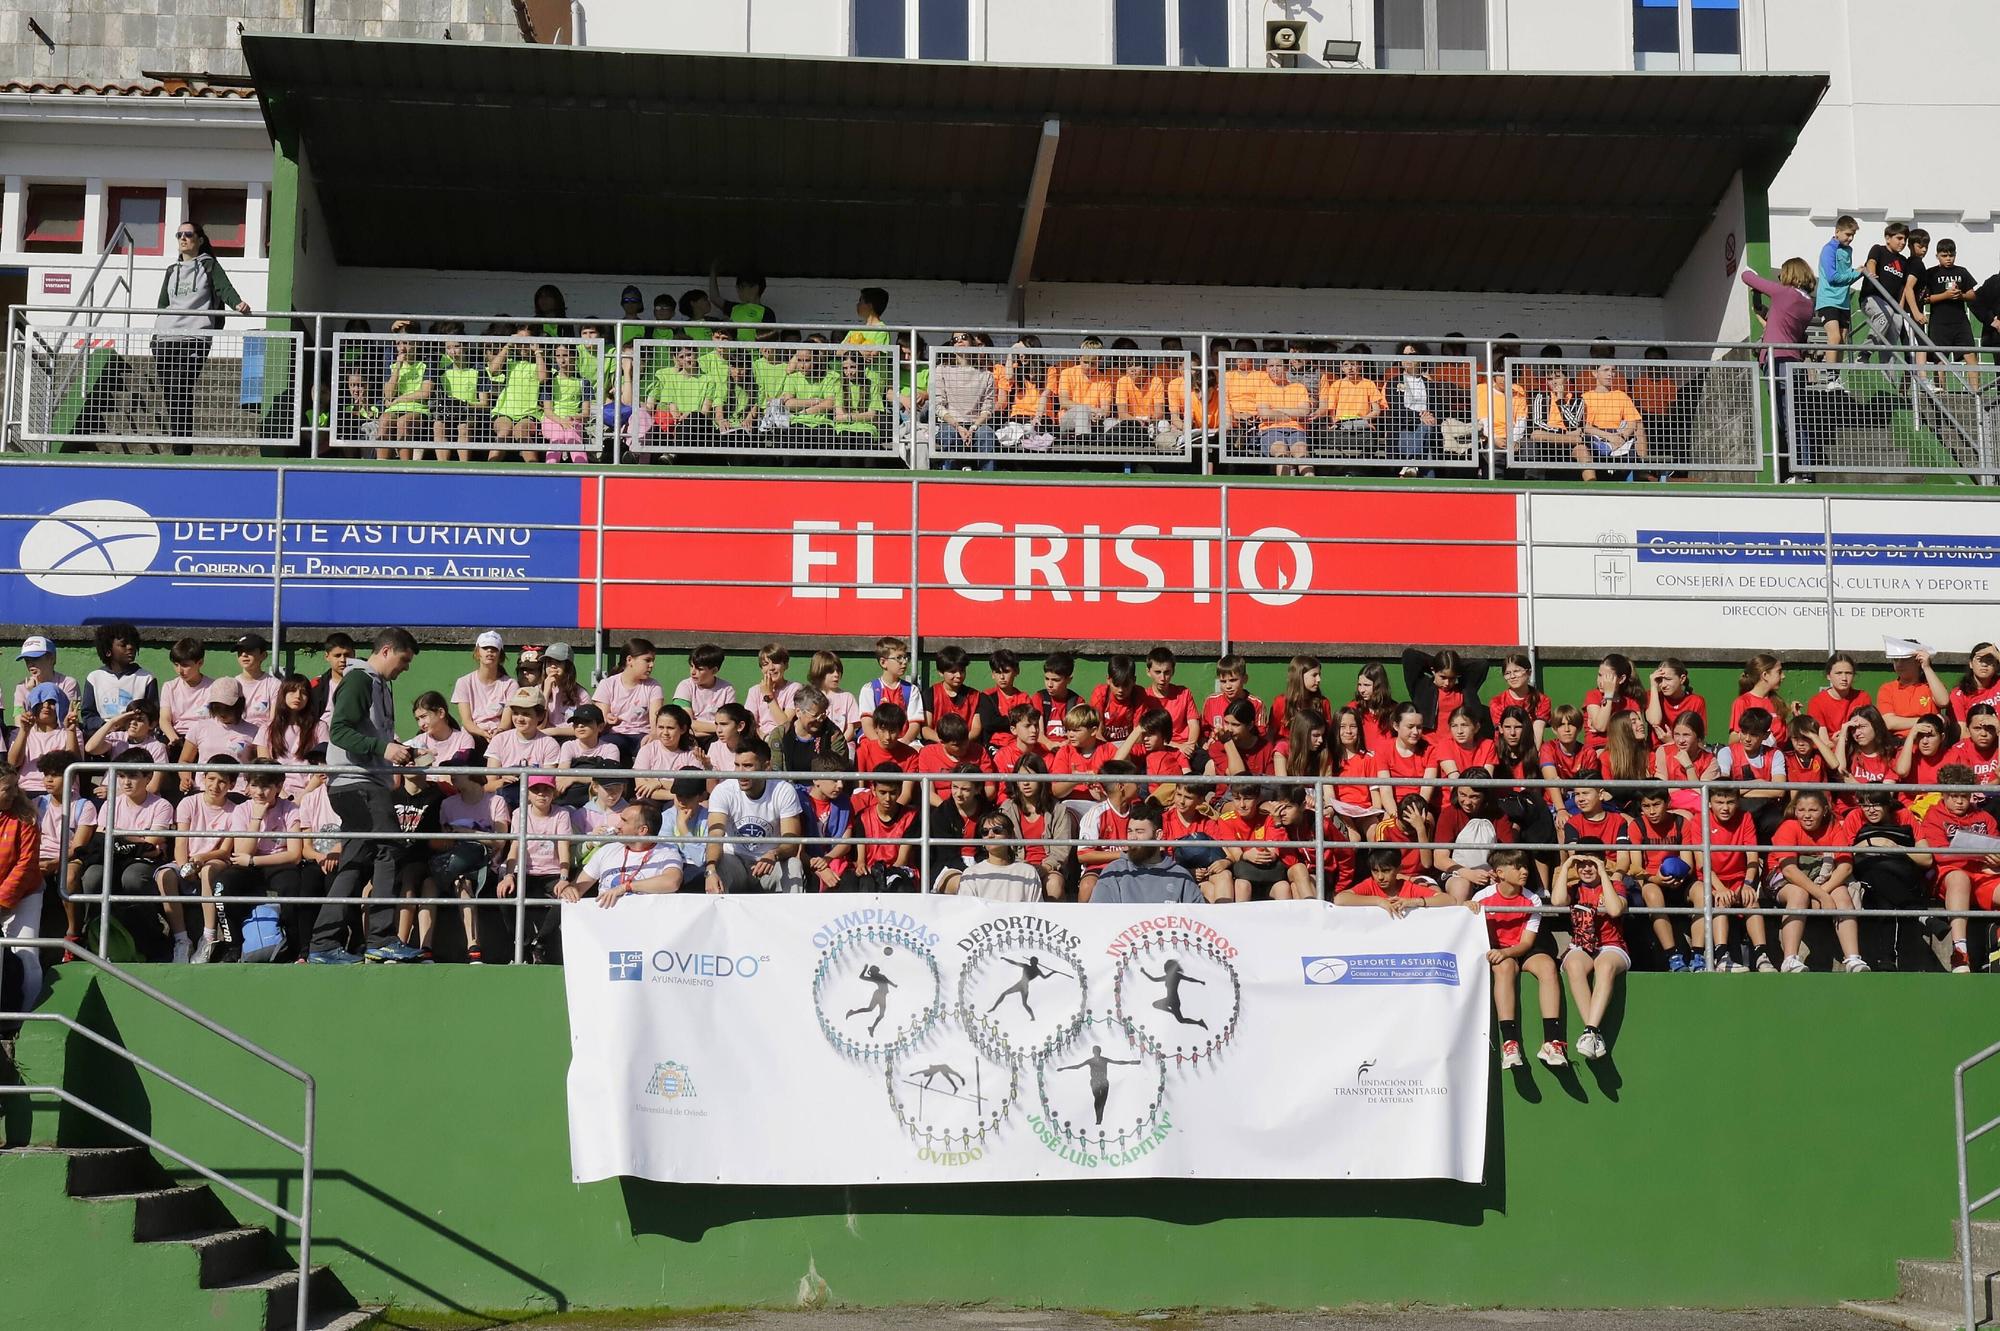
{"x":302,"y":1218}
{"x":1350,"y":409}
{"x":1967,"y":1205}
{"x":1314,"y":798}
{"x":1646,"y":416}
{"x":1710,"y":424}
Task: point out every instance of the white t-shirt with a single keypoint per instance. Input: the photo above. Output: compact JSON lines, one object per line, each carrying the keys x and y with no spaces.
{"x":623,"y":864}
{"x":753,"y":823}
{"x":1001,"y":882}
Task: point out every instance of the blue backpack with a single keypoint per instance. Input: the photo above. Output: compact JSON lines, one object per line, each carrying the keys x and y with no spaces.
{"x":263,"y":934}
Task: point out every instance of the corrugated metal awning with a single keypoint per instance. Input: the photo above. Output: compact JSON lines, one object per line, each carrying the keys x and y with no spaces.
{"x":461,"y":155}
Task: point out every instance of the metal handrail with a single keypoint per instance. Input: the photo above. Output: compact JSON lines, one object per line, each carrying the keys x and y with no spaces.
{"x":303,"y":1148}
{"x":1964,"y":1139}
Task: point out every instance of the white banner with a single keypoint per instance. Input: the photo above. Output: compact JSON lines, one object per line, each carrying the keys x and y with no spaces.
{"x":1673,"y":573}
{"x":865,"y":1039}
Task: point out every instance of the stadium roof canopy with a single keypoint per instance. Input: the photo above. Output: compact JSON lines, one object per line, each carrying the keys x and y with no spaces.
{"x":462,"y":155}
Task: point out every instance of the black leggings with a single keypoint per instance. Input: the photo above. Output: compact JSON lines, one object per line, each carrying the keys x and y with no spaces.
{"x":177,"y":363}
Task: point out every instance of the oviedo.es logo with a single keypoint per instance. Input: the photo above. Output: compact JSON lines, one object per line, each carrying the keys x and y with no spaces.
{"x":89,"y":548}
{"x":702,"y":969}
{"x":628,"y":965}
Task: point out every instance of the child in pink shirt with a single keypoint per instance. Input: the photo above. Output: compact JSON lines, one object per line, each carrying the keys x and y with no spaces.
{"x":547,"y":859}
{"x":522,"y":744}
{"x":841,"y":708}
{"x":771,"y":701}
{"x":225,"y":734}
{"x":184,"y":698}
{"x":260,"y":689}
{"x":481,"y":697}
{"x":202,"y":857}
{"x":631,"y":697}
{"x":701,"y":692}
{"x":670,"y":749}
{"x":588,"y":741}
{"x":732,"y":727}
{"x":48,"y":725}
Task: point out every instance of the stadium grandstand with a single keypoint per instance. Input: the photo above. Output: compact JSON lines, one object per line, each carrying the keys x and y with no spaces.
{"x":803,"y":553}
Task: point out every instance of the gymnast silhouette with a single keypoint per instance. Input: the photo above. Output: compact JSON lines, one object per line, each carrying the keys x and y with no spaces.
{"x":1173,"y":978}
{"x":1100,"y":1080}
{"x":951,"y":1077}
{"x":1031,"y":971}
{"x":879,"y":1004}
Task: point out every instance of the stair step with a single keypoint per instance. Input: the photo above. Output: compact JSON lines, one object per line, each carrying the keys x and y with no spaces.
{"x":1940,"y":1285}
{"x":279,"y":1288}
{"x":1985,"y":1243}
{"x":227,"y":1255}
{"x":112,"y":1169}
{"x":164,"y":1213}
{"x":355,"y":1319}
{"x":1908,"y":1316}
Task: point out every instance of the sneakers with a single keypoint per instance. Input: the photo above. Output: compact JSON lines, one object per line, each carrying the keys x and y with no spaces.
{"x":1855,"y":966}
{"x":424,"y":956}
{"x":1793,"y":966}
{"x":391,"y":953}
{"x":183,"y":949}
{"x":1961,"y":962}
{"x":472,"y":957}
{"x":1510,"y":1054}
{"x":1591,"y":1045}
{"x":1676,"y":962}
{"x":68,"y":955}
{"x":205,"y":950}
{"x":1765,"y":966}
{"x":1720,"y":962}
{"x":1697,"y":962}
{"x":1554,"y":1053}
{"x":333,"y":956}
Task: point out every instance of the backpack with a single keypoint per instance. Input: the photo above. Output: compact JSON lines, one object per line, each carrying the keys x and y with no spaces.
{"x":263,"y":934}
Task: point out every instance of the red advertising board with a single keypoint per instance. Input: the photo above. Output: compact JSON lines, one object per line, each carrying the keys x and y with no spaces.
{"x":1061,"y":561}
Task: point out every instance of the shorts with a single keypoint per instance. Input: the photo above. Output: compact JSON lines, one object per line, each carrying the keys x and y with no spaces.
{"x":1604,"y":448}
{"x":1261,"y":877}
{"x":528,"y":415}
{"x":451,"y":412}
{"x":1281,"y":436}
{"x":1596,"y":952}
{"x":1950,"y":333}
{"x":1834,"y":315}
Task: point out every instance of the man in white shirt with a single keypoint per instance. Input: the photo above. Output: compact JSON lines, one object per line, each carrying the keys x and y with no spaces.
{"x":618,"y":867}
{"x":758,"y":824}
{"x":1001,"y":875}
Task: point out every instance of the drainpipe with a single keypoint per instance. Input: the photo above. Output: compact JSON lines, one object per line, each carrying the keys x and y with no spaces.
{"x":576,"y":23}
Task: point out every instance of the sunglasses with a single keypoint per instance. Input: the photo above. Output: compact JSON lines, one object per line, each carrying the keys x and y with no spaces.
{"x":184,"y":235}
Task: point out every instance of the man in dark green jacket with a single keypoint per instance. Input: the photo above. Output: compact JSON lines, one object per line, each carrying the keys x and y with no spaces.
{"x":362,"y":735}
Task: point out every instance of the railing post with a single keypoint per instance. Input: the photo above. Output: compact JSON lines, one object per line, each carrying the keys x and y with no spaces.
{"x":62,"y":848}
{"x":1482,"y":393}
{"x":924,"y":832}
{"x":278,"y":572}
{"x":1201,"y":385}
{"x":109,"y":828}
{"x":1708,"y":877}
{"x":1222,"y":564}
{"x":1527,"y":618}
{"x":597,"y":581}
{"x":306,"y":1208}
{"x":520,"y":872}
{"x":1964,"y":1193}
{"x":916,"y":570}
{"x":320,"y":352}
{"x":1319,"y":839}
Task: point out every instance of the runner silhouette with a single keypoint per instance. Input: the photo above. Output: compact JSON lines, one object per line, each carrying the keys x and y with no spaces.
{"x":1100,"y":1080}
{"x":879,"y":1004}
{"x":1031,"y":971}
{"x":1173,"y":978}
{"x":951,"y":1077}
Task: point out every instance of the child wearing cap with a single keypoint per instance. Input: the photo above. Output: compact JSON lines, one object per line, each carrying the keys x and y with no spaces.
{"x":48,"y":725}
{"x":522,"y":744}
{"x":40,"y":655}
{"x":586,"y":741}
{"x":480,"y":698}
{"x":561,"y":694}
{"x":223,"y":733}
{"x":260,"y":687}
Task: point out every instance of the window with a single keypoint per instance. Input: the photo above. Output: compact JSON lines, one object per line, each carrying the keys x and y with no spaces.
{"x":220,"y":212}
{"x":1199,"y":30}
{"x":54,"y":220}
{"x":1711,"y":30}
{"x":878,"y":28}
{"x":141,"y":210}
{"x":937,"y":29}
{"x":1430,"y":34}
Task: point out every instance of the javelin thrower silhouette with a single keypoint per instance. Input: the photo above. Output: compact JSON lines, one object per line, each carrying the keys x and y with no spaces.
{"x":1173,"y":978}
{"x":1100,"y":1079}
{"x":879,"y":1004}
{"x":1031,"y":971}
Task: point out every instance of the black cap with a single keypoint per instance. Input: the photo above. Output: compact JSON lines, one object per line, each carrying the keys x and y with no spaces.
{"x":253,"y":642}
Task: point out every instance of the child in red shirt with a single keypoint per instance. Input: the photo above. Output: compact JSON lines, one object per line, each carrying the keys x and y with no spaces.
{"x":1119,"y":701}
{"x":1807,"y":872}
{"x":1302,"y":678}
{"x":1671,"y":698}
{"x":885,"y":868}
{"x":1407,"y":759}
{"x":1460,"y":749}
{"x":1735,"y":878}
{"x":1964,"y":880}
{"x":1617,"y":691}
{"x":1388,"y":888}
{"x":1514,"y":944}
{"x":1518,"y":672}
{"x":1084,"y":753}
{"x":998,"y":703}
{"x":1237,"y":748}
{"x":1979,"y":684}
{"x":1055,"y":698}
{"x":1832,"y":705}
{"x":1660,"y":824}
{"x":1150,"y":745}
{"x":952,"y":696}
{"x":888,"y":720}
{"x":1176,"y":700}
{"x":1104,"y":825}
{"x":1763,"y":675}
{"x":1980,"y":748}
{"x":1597,"y":953}
{"x":1231,"y":686}
{"x":955,"y":748}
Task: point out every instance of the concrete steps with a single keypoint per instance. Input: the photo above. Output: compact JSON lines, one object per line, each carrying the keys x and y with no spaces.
{"x":1932,"y":1296}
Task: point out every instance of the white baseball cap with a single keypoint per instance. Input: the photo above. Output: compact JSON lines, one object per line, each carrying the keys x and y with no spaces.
{"x":490,"y":639}
{"x":36,"y":646}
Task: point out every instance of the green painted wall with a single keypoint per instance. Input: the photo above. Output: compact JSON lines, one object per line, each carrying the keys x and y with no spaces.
{"x":1750,"y":1141}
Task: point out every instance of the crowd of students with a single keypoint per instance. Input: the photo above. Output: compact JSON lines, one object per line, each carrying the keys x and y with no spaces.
{"x":1257,"y":798}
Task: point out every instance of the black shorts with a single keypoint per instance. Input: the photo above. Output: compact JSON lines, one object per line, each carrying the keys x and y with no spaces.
{"x":1834,"y":315}
{"x":1261,"y":877}
{"x":452,"y":413}
{"x":1949,"y":334}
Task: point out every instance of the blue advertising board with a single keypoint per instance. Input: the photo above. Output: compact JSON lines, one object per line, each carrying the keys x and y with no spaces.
{"x":197,"y":545}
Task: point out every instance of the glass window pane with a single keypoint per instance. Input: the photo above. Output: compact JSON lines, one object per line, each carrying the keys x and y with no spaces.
{"x":1718,"y":34}
{"x":143,"y":211}
{"x":1656,"y":34}
{"x":878,"y":28}
{"x":220,"y":213}
{"x":944,"y":30}
{"x":1399,"y":34}
{"x":1139,"y":32}
{"x":54,"y":220}
{"x":1461,"y":34}
{"x":1205,"y":33}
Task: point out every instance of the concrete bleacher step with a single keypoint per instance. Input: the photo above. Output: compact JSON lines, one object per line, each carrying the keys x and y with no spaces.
{"x":1906,"y":1316}
{"x":1940,"y":1285}
{"x":239,"y":1273}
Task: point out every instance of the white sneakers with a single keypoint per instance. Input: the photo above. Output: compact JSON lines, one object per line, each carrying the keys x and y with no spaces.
{"x":1510,"y":1054}
{"x":183,"y":949}
{"x":1855,"y":965}
{"x":1591,"y":1045}
{"x":1554,"y":1053}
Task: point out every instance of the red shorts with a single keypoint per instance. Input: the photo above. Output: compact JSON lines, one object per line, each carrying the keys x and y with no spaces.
{"x":1985,"y":887}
